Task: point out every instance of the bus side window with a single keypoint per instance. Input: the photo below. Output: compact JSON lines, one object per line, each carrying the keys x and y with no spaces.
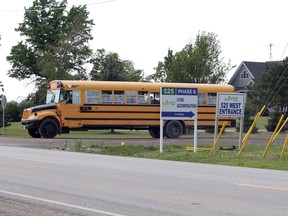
{"x":92,"y":97}
{"x":107,"y":97}
{"x":68,"y":97}
{"x":155,"y":97}
{"x":76,"y":97}
{"x":61,"y":96}
{"x":201,"y":98}
{"x":118,"y":97}
{"x":131,"y":97}
{"x":142,"y":97}
{"x":212,"y":98}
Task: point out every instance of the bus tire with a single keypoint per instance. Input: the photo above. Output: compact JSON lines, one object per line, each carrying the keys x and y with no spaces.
{"x":173,"y":129}
{"x":33,"y":132}
{"x":49,"y":128}
{"x":154,"y":132}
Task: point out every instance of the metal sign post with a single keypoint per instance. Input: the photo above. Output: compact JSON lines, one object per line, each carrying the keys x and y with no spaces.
{"x":178,"y":104}
{"x":3,"y":104}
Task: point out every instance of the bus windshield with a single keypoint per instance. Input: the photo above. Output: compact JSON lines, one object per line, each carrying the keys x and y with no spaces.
{"x":54,"y":96}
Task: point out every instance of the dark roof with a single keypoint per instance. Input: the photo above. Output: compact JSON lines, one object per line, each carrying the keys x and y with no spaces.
{"x":258,"y":68}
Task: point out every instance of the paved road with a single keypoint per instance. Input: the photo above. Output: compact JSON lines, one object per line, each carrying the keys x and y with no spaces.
{"x":49,"y":182}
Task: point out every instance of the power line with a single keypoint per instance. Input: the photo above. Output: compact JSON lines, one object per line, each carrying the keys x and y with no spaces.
{"x":267,"y":101}
{"x":103,"y":2}
{"x":284,"y":51}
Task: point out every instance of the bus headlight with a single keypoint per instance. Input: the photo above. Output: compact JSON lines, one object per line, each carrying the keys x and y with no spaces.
{"x":33,"y":117}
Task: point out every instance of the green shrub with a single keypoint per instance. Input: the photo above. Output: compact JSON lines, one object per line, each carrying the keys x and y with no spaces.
{"x":273,"y":120}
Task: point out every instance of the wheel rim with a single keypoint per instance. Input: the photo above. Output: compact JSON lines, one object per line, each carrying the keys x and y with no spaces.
{"x":174,"y":129}
{"x":48,"y":128}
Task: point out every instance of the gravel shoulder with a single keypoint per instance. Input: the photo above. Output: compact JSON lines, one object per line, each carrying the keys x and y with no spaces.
{"x":228,"y":139}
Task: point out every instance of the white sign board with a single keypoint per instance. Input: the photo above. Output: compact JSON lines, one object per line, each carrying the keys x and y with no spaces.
{"x":179,"y":103}
{"x":230,"y":104}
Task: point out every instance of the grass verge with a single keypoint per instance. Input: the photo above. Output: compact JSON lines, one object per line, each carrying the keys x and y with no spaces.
{"x":16,"y":130}
{"x":251,"y":156}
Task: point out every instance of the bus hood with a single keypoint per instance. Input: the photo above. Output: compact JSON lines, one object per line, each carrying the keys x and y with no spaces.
{"x":43,"y":107}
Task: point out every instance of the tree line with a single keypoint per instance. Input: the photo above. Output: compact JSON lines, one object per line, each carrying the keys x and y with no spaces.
{"x":55,"y":45}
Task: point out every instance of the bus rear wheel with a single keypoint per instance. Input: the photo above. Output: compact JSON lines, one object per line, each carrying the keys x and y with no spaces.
{"x":174,"y":129}
{"x":49,"y":128}
{"x":34,"y":133}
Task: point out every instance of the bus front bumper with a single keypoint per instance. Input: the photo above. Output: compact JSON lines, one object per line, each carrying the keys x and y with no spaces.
{"x":30,"y":124}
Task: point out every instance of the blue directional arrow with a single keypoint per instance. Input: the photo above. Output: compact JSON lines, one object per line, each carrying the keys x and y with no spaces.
{"x":177,"y":114}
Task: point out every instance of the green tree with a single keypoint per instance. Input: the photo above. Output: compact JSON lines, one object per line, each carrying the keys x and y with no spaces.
{"x":55,"y":44}
{"x":14,"y":111}
{"x":273,"y":120}
{"x":38,"y":97}
{"x":108,"y":66}
{"x":195,"y":63}
{"x":1,"y":87}
{"x":272,"y":92}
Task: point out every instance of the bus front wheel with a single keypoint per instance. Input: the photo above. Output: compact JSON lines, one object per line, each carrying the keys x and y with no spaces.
{"x":174,"y":129}
{"x":154,"y":132}
{"x":49,"y":128}
{"x":34,"y":133}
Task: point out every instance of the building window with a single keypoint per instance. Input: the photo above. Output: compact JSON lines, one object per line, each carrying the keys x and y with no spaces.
{"x":244,"y":75}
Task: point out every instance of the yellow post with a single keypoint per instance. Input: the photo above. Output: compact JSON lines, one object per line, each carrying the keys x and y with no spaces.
{"x":244,"y":141}
{"x":284,"y":146}
{"x":262,"y":110}
{"x":259,"y":113}
{"x":218,"y":137}
{"x":281,"y":128}
{"x":275,"y":131}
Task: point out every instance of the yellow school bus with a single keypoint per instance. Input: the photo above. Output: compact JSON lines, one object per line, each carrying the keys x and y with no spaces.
{"x":90,"y":105}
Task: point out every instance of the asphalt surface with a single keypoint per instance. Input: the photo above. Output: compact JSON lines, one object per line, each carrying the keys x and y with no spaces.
{"x":47,"y":182}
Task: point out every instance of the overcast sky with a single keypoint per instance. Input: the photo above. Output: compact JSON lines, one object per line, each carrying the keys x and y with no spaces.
{"x":143,"y":30}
